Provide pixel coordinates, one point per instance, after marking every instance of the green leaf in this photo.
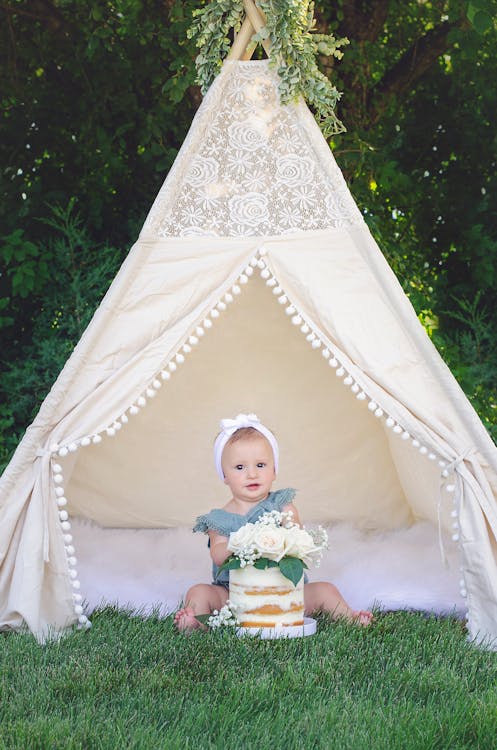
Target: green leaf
(264, 562)
(292, 568)
(482, 21)
(232, 563)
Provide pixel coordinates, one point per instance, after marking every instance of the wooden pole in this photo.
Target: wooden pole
(258, 21)
(242, 47)
(242, 41)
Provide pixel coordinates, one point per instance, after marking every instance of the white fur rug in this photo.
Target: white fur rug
(151, 569)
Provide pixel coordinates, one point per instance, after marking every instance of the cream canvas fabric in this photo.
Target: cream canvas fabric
(254, 286)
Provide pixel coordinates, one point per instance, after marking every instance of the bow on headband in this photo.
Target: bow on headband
(230, 426)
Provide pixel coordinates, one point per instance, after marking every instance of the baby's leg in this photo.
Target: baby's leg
(201, 599)
(325, 597)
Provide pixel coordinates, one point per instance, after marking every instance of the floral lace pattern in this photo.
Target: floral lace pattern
(250, 166)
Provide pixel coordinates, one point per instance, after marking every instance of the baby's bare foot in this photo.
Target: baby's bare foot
(185, 619)
(362, 617)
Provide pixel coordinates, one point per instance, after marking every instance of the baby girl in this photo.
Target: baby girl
(246, 457)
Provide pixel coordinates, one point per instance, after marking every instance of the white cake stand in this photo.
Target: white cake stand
(289, 631)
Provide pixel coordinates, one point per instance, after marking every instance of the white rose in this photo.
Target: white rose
(241, 539)
(299, 543)
(204, 169)
(249, 209)
(294, 170)
(270, 542)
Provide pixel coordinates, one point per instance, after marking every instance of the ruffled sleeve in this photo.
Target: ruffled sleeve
(280, 498)
(274, 501)
(215, 520)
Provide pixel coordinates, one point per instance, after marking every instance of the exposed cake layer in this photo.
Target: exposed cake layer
(265, 598)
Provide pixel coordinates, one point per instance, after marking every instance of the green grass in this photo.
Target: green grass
(408, 681)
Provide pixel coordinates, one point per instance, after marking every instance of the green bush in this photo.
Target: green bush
(69, 281)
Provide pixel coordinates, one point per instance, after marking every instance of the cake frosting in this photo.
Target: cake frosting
(265, 598)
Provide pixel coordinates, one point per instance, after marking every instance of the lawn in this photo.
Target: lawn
(408, 681)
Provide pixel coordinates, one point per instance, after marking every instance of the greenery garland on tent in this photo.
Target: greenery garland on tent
(295, 47)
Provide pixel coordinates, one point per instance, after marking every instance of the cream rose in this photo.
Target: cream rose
(270, 542)
(241, 539)
(299, 543)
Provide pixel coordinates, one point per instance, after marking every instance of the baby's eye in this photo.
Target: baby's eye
(261, 465)
(239, 467)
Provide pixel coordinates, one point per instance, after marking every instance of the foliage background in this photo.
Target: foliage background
(98, 95)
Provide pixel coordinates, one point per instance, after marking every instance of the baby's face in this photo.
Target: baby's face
(248, 466)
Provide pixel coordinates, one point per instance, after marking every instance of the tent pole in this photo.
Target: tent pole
(240, 47)
(258, 21)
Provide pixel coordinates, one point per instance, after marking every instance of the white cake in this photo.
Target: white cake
(265, 598)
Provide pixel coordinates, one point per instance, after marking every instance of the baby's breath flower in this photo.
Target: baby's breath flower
(226, 617)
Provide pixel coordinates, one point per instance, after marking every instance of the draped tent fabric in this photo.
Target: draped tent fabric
(254, 229)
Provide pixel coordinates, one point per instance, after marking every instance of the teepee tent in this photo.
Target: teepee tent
(254, 286)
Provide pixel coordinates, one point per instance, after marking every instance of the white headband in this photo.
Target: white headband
(230, 426)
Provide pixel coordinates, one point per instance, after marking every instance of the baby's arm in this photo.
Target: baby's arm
(290, 508)
(219, 547)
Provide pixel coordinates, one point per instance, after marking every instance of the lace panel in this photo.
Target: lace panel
(250, 166)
